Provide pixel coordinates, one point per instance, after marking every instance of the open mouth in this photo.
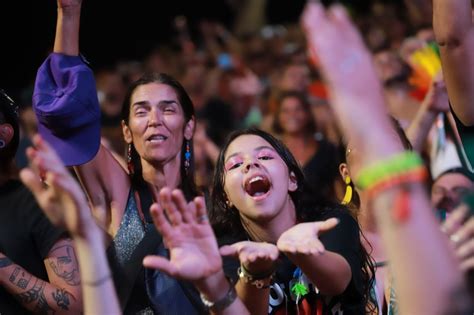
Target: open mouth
(257, 186)
(157, 138)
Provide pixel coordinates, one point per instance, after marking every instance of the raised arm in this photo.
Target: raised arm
(452, 21)
(67, 27)
(435, 102)
(76, 136)
(416, 248)
(65, 205)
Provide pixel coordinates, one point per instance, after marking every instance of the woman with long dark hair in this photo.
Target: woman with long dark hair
(261, 207)
(158, 126)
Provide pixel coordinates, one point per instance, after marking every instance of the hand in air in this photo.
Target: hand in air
(185, 228)
(59, 195)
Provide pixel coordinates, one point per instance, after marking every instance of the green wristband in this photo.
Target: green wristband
(382, 170)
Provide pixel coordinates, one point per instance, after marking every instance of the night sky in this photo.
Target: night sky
(110, 30)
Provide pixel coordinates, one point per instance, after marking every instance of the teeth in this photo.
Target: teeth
(157, 138)
(256, 178)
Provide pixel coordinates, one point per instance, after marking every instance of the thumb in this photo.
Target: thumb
(229, 250)
(160, 263)
(327, 225)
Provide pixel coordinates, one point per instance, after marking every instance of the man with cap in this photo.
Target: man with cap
(38, 267)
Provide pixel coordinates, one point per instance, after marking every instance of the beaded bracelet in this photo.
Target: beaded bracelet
(386, 169)
(255, 280)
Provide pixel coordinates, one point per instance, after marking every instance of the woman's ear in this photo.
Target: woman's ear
(344, 171)
(127, 134)
(292, 182)
(189, 128)
(6, 133)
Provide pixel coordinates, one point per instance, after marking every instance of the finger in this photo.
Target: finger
(467, 264)
(455, 219)
(465, 232)
(160, 220)
(229, 250)
(466, 249)
(160, 263)
(191, 212)
(251, 257)
(286, 247)
(201, 210)
(327, 224)
(178, 198)
(338, 14)
(51, 161)
(169, 206)
(32, 181)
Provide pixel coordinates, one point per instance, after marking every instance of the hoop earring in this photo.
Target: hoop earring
(348, 195)
(187, 157)
(2, 143)
(129, 160)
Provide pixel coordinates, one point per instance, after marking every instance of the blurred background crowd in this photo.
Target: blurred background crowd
(244, 63)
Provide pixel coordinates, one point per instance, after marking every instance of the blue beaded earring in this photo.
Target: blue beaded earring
(187, 157)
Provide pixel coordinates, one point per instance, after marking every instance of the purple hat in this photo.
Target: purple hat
(66, 105)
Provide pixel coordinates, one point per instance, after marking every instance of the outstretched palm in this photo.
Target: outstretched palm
(186, 232)
(303, 238)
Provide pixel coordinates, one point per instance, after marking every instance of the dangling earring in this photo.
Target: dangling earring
(187, 157)
(2, 143)
(348, 195)
(129, 159)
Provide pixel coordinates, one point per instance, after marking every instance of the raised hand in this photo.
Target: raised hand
(60, 196)
(194, 254)
(303, 238)
(354, 88)
(256, 257)
(459, 226)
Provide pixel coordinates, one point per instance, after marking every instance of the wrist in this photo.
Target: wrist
(213, 287)
(70, 11)
(261, 280)
(219, 295)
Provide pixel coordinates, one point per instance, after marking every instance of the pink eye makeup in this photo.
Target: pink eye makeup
(233, 162)
(266, 154)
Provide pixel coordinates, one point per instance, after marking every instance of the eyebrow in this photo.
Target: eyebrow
(256, 149)
(147, 103)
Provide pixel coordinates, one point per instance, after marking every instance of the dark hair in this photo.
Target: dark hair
(228, 220)
(9, 114)
(187, 177)
(310, 127)
(308, 204)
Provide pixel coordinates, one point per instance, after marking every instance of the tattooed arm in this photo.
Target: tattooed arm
(62, 294)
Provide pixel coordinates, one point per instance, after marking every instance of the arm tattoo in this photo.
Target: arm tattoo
(65, 266)
(24, 279)
(36, 293)
(5, 262)
(61, 297)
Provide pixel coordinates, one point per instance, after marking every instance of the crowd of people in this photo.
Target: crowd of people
(319, 168)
